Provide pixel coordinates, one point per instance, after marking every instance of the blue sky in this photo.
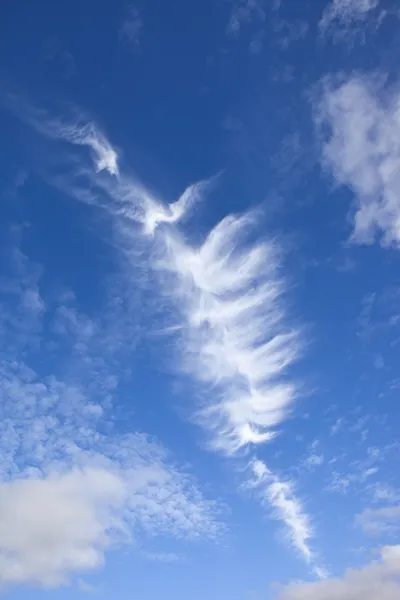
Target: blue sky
(199, 289)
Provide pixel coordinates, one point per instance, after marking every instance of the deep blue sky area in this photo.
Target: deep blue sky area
(199, 299)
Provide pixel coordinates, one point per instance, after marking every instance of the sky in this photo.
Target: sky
(199, 300)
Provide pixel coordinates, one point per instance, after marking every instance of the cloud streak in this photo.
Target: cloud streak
(287, 508)
(75, 129)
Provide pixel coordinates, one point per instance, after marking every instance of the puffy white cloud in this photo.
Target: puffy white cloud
(59, 525)
(376, 580)
(54, 527)
(57, 471)
(359, 124)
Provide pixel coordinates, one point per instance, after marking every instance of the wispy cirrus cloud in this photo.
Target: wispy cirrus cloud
(378, 579)
(229, 322)
(287, 508)
(359, 127)
(234, 341)
(233, 335)
(75, 128)
(341, 16)
(226, 295)
(105, 157)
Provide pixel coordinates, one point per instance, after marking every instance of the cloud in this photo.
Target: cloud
(380, 521)
(376, 580)
(227, 299)
(71, 486)
(52, 447)
(104, 155)
(340, 15)
(156, 213)
(359, 124)
(164, 557)
(75, 129)
(313, 460)
(244, 12)
(280, 495)
(64, 527)
(131, 29)
(60, 525)
(228, 295)
(226, 310)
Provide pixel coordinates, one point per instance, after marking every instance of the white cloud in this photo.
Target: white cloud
(156, 213)
(164, 557)
(362, 150)
(341, 14)
(68, 490)
(50, 528)
(288, 509)
(244, 12)
(376, 580)
(131, 29)
(314, 460)
(60, 525)
(227, 293)
(51, 444)
(379, 521)
(228, 299)
(229, 296)
(105, 157)
(75, 129)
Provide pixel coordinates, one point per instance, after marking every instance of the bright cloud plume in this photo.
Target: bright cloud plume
(234, 341)
(359, 124)
(229, 293)
(377, 580)
(287, 508)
